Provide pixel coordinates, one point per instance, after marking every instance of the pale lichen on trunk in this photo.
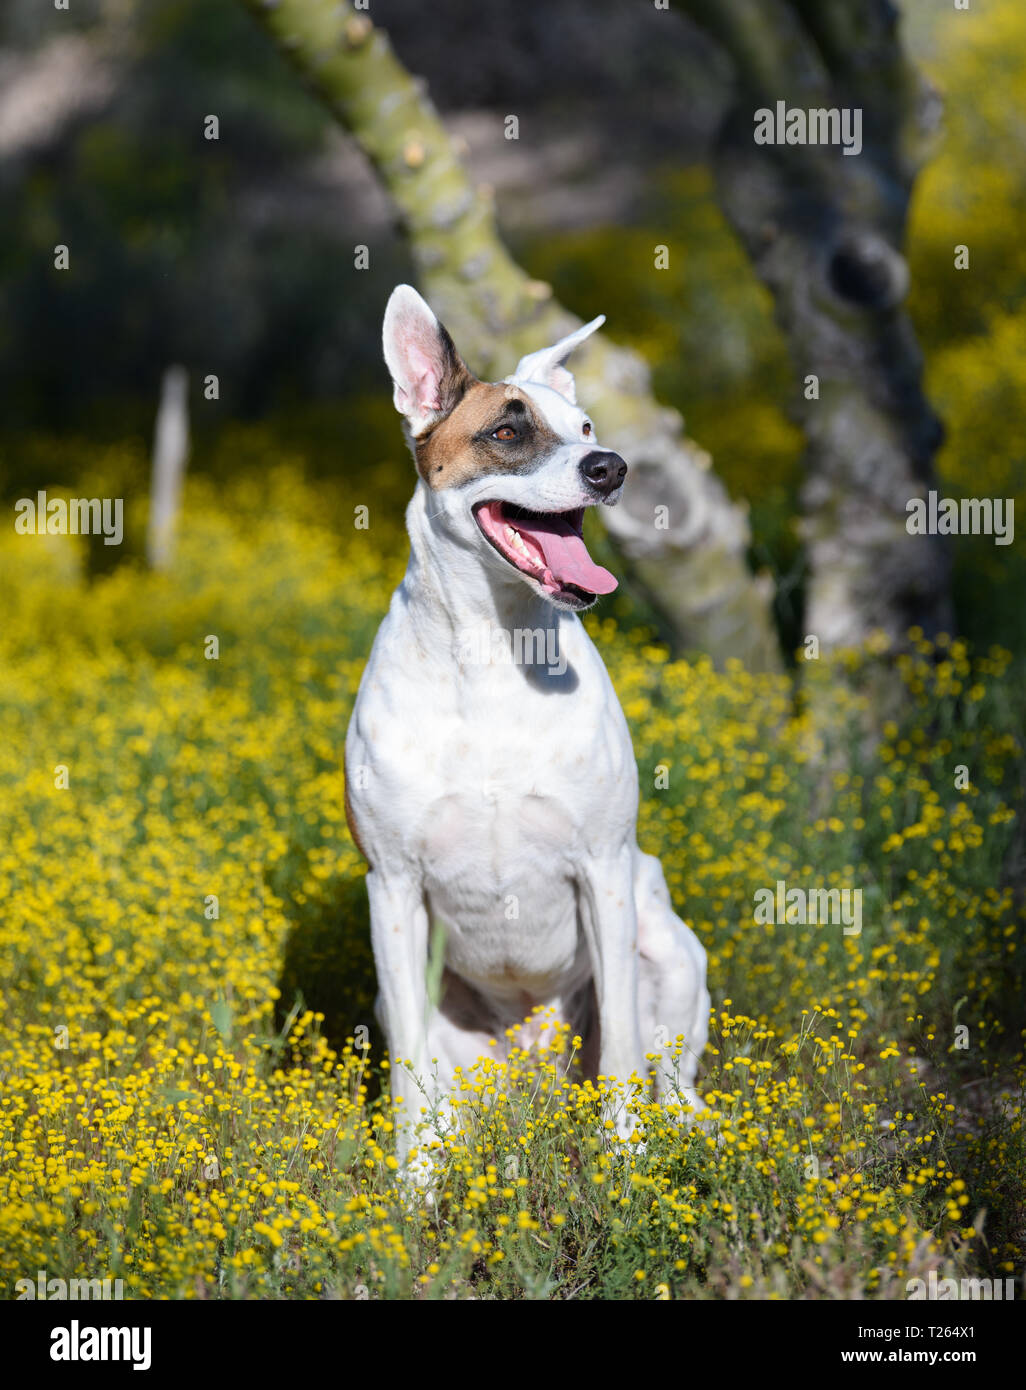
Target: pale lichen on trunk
(691, 557)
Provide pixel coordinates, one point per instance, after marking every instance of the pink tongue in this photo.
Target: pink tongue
(566, 554)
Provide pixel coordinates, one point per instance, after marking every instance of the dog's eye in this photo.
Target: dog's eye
(505, 433)
(586, 428)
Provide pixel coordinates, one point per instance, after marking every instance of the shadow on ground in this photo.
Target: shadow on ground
(328, 965)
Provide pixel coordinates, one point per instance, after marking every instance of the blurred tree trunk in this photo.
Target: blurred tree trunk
(170, 457)
(824, 231)
(694, 570)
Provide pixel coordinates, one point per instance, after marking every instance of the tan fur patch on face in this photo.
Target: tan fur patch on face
(461, 447)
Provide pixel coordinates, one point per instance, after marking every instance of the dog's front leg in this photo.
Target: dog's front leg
(399, 935)
(609, 919)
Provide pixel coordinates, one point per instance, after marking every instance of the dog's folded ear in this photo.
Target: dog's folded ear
(546, 366)
(428, 374)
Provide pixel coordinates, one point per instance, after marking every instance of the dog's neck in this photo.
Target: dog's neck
(449, 593)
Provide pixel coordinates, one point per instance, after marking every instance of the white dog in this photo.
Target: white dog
(490, 779)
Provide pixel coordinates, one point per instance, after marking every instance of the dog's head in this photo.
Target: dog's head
(510, 465)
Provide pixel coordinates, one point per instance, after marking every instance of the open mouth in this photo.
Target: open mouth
(548, 547)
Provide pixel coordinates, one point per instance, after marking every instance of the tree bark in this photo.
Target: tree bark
(691, 559)
(824, 231)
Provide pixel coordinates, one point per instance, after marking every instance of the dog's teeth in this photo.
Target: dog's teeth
(516, 540)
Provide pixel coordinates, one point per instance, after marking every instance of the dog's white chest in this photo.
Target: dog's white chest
(492, 783)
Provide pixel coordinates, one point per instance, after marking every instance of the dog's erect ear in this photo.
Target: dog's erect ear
(546, 367)
(428, 373)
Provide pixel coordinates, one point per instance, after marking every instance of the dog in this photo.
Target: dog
(490, 779)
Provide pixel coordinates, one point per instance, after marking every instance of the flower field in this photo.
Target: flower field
(187, 1104)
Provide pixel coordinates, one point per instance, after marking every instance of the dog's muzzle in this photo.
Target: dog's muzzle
(603, 471)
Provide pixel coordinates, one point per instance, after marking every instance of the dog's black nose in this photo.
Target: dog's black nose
(605, 471)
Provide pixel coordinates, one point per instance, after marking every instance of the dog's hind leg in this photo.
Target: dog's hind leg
(607, 895)
(672, 994)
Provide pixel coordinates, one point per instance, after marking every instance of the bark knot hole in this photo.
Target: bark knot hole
(864, 270)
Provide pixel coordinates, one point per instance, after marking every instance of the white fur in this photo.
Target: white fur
(480, 789)
(546, 367)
